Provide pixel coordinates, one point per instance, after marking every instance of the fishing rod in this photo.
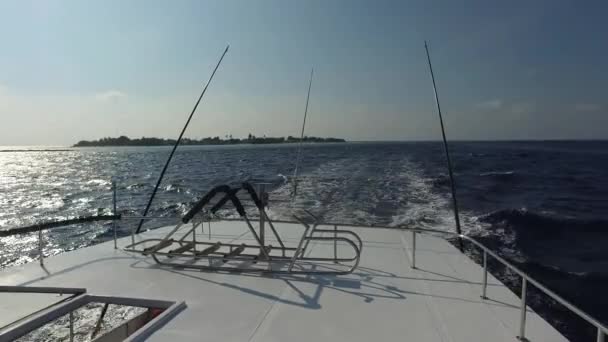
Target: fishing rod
(162, 173)
(447, 152)
(299, 157)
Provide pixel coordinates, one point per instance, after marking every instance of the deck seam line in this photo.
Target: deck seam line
(507, 332)
(441, 331)
(274, 303)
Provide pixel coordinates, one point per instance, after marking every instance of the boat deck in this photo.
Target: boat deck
(383, 299)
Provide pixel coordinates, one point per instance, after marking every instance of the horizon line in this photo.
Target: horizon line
(358, 141)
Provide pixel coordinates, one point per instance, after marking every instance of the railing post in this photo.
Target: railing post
(261, 194)
(522, 322)
(335, 244)
(114, 210)
(485, 275)
(194, 237)
(600, 335)
(71, 326)
(40, 246)
(413, 249)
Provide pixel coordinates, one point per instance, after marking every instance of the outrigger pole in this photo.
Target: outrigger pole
(162, 173)
(447, 152)
(299, 157)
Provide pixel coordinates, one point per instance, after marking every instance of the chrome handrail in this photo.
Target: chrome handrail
(602, 329)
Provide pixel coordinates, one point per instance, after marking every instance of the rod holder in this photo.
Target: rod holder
(600, 335)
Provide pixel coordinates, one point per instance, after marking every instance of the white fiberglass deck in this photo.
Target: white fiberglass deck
(383, 300)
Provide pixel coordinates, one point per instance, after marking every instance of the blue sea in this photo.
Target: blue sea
(541, 205)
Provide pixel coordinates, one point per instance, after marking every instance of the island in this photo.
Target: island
(228, 140)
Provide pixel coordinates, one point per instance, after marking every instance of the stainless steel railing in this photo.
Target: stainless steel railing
(602, 330)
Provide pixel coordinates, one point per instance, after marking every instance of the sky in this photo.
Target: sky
(74, 70)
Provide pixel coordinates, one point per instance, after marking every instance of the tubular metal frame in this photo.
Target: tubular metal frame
(216, 250)
(162, 253)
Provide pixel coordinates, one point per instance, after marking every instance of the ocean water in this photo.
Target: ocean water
(541, 205)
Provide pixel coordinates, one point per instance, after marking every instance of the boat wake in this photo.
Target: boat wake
(363, 191)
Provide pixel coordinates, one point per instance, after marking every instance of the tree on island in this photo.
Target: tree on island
(251, 139)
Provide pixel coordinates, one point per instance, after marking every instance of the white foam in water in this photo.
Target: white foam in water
(85, 319)
(427, 208)
(355, 190)
(99, 182)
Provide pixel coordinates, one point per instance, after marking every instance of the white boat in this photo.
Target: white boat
(406, 284)
(257, 279)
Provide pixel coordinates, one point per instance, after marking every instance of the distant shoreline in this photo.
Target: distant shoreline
(251, 139)
(55, 148)
(37, 150)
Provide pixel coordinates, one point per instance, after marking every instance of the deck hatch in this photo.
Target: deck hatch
(95, 318)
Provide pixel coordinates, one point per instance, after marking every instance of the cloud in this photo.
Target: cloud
(522, 108)
(490, 105)
(61, 118)
(506, 107)
(587, 107)
(110, 95)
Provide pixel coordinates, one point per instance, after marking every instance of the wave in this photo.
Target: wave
(175, 188)
(137, 186)
(498, 178)
(99, 182)
(569, 245)
(440, 181)
(477, 155)
(283, 178)
(522, 219)
(497, 173)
